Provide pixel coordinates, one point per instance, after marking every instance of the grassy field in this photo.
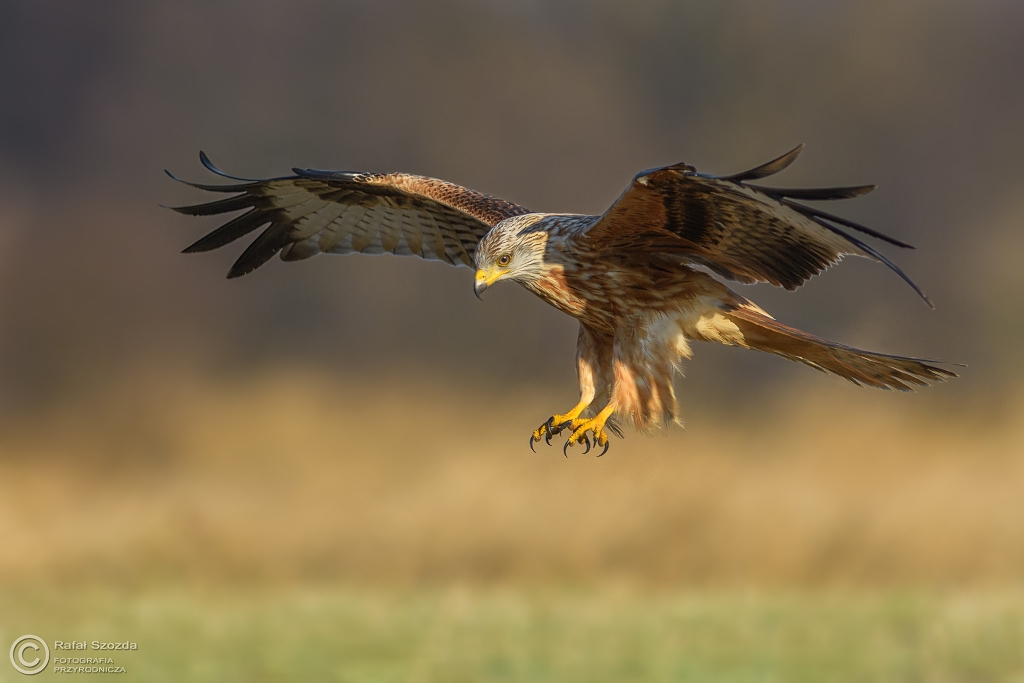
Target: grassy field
(286, 528)
(495, 634)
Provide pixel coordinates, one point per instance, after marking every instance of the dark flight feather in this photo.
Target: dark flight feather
(815, 194)
(745, 232)
(765, 170)
(344, 211)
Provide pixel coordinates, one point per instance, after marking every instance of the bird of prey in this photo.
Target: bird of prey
(638, 278)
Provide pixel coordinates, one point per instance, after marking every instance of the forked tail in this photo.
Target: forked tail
(880, 370)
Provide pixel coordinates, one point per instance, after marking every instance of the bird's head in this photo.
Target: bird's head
(512, 250)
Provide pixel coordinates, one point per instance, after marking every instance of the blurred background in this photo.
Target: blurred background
(341, 441)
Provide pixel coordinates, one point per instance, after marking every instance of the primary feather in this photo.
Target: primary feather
(341, 212)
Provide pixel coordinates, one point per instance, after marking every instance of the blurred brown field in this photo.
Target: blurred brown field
(288, 476)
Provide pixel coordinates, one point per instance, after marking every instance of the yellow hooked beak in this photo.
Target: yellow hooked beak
(485, 277)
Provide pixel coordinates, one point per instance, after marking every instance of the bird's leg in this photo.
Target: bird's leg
(595, 426)
(556, 423)
(588, 362)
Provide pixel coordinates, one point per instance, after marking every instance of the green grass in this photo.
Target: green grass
(476, 634)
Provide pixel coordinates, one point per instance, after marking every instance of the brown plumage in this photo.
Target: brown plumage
(339, 212)
(630, 276)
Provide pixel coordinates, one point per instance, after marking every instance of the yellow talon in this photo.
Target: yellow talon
(571, 416)
(600, 437)
(556, 423)
(578, 426)
(594, 425)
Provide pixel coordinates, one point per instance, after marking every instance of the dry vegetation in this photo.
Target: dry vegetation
(289, 477)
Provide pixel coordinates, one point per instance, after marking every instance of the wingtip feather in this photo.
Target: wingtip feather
(877, 255)
(205, 161)
(771, 168)
(213, 188)
(817, 214)
(815, 193)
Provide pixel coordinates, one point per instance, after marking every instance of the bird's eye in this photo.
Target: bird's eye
(504, 260)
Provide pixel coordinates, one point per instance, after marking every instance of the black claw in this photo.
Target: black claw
(606, 445)
(586, 440)
(565, 448)
(531, 444)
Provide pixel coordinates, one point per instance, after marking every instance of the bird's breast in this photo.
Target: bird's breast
(554, 288)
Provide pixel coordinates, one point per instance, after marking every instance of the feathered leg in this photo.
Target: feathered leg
(646, 353)
(639, 367)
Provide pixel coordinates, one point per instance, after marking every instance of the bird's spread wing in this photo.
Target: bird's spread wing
(744, 232)
(340, 212)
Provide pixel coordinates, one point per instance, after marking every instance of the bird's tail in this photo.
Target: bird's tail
(760, 331)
